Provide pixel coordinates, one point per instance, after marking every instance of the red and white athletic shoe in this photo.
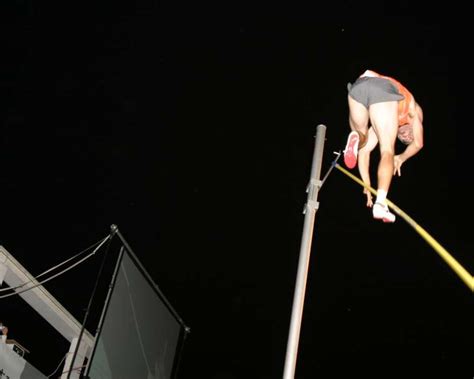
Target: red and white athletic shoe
(381, 212)
(352, 147)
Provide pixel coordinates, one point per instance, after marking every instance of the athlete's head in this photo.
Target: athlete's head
(405, 134)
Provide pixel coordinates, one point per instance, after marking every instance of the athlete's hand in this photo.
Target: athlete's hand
(397, 165)
(369, 198)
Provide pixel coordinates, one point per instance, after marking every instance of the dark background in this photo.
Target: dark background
(191, 126)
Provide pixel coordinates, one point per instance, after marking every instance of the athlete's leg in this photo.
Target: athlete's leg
(384, 119)
(359, 124)
(358, 119)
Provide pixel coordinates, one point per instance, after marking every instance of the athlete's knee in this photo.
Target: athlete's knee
(387, 153)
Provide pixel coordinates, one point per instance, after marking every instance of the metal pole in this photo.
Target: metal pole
(305, 251)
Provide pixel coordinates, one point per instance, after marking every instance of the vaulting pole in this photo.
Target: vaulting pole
(465, 276)
(305, 251)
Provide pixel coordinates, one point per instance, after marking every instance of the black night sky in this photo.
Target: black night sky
(192, 126)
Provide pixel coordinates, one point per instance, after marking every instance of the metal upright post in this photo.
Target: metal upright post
(310, 212)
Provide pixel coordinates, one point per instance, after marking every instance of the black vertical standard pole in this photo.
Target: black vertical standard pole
(305, 251)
